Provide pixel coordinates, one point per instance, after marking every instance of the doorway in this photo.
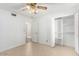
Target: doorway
(28, 32)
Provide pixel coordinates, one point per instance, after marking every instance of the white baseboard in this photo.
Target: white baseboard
(8, 48)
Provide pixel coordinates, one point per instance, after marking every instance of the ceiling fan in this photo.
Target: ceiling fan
(32, 7)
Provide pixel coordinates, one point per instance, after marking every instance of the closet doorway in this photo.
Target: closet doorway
(65, 34)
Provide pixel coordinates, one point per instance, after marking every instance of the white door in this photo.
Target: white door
(35, 31)
(41, 31)
(44, 31)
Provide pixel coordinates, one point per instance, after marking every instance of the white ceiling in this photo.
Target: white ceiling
(11, 6)
(53, 8)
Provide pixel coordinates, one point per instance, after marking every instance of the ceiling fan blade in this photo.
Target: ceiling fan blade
(27, 3)
(31, 4)
(42, 7)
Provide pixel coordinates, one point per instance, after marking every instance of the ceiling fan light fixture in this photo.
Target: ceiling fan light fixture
(32, 8)
(33, 11)
(28, 7)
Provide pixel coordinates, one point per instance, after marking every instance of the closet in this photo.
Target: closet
(65, 34)
(59, 31)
